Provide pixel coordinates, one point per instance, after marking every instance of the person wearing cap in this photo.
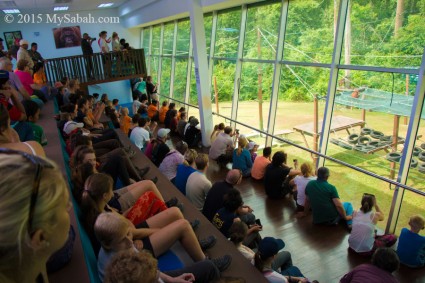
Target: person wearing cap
(268, 261)
(159, 147)
(193, 134)
(24, 55)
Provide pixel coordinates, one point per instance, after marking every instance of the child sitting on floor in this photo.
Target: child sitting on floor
(125, 120)
(411, 245)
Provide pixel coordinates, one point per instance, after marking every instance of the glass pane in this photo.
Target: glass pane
(412, 205)
(183, 37)
(351, 185)
(167, 46)
(255, 92)
(366, 121)
(227, 35)
(208, 29)
(154, 68)
(295, 110)
(193, 96)
(310, 31)
(376, 36)
(223, 75)
(146, 38)
(262, 31)
(416, 178)
(180, 74)
(165, 76)
(156, 38)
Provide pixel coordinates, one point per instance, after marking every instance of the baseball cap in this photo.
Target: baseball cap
(4, 74)
(71, 126)
(270, 246)
(162, 133)
(23, 41)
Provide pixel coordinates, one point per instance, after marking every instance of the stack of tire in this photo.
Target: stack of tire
(421, 156)
(396, 156)
(368, 140)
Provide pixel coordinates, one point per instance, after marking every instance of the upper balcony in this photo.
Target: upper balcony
(98, 68)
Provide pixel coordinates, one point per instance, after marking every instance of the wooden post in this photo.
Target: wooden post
(216, 95)
(363, 115)
(407, 94)
(260, 81)
(394, 144)
(315, 127)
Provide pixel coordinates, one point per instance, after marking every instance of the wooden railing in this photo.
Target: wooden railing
(98, 67)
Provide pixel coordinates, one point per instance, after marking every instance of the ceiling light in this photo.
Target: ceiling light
(104, 5)
(11, 11)
(61, 8)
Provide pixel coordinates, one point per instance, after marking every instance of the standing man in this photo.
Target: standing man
(88, 53)
(23, 54)
(35, 55)
(106, 57)
(325, 203)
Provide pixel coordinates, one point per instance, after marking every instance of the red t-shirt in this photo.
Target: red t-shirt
(14, 113)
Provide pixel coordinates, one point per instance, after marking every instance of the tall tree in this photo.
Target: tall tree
(399, 16)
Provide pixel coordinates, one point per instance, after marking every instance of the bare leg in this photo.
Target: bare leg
(139, 188)
(165, 218)
(179, 230)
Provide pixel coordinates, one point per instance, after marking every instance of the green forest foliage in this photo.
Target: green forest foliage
(309, 37)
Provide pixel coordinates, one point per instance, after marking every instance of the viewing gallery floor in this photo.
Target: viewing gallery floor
(320, 252)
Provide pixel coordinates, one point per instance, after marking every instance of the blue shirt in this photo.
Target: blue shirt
(411, 248)
(223, 220)
(183, 173)
(243, 161)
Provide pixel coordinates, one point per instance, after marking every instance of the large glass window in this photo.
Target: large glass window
(377, 35)
(183, 37)
(261, 32)
(208, 30)
(227, 35)
(156, 39)
(167, 46)
(146, 40)
(223, 76)
(180, 73)
(165, 76)
(310, 31)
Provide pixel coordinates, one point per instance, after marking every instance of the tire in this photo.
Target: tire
(423, 145)
(385, 138)
(421, 168)
(413, 163)
(358, 147)
(421, 156)
(376, 134)
(353, 138)
(367, 148)
(416, 151)
(366, 131)
(334, 141)
(373, 144)
(364, 140)
(346, 146)
(394, 156)
(383, 143)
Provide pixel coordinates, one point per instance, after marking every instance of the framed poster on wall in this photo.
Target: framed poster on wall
(11, 36)
(67, 36)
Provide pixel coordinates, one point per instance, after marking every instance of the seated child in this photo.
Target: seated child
(125, 120)
(411, 245)
(33, 112)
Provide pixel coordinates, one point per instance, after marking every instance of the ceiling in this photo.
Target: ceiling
(46, 6)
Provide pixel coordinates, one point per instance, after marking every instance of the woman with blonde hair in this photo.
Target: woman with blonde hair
(34, 216)
(300, 182)
(242, 158)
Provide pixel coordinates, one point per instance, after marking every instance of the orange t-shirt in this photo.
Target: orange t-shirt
(152, 110)
(162, 113)
(40, 78)
(259, 167)
(125, 124)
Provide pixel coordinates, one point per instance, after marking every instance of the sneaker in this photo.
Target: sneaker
(223, 262)
(208, 242)
(172, 202)
(195, 224)
(142, 171)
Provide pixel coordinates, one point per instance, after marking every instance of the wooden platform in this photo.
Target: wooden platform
(338, 123)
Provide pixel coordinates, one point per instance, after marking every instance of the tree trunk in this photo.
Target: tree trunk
(399, 16)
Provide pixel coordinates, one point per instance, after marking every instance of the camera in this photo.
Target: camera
(92, 38)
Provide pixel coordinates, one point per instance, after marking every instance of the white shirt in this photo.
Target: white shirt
(301, 183)
(220, 145)
(197, 188)
(23, 54)
(136, 105)
(139, 136)
(362, 235)
(102, 43)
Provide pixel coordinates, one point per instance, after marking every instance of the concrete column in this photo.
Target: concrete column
(203, 84)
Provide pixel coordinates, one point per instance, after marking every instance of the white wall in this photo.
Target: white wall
(45, 41)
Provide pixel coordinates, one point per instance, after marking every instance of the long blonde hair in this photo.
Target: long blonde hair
(241, 145)
(16, 188)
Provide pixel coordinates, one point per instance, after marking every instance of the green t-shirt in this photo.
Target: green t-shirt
(320, 194)
(39, 135)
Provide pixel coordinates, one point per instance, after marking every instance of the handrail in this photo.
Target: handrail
(371, 174)
(98, 66)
